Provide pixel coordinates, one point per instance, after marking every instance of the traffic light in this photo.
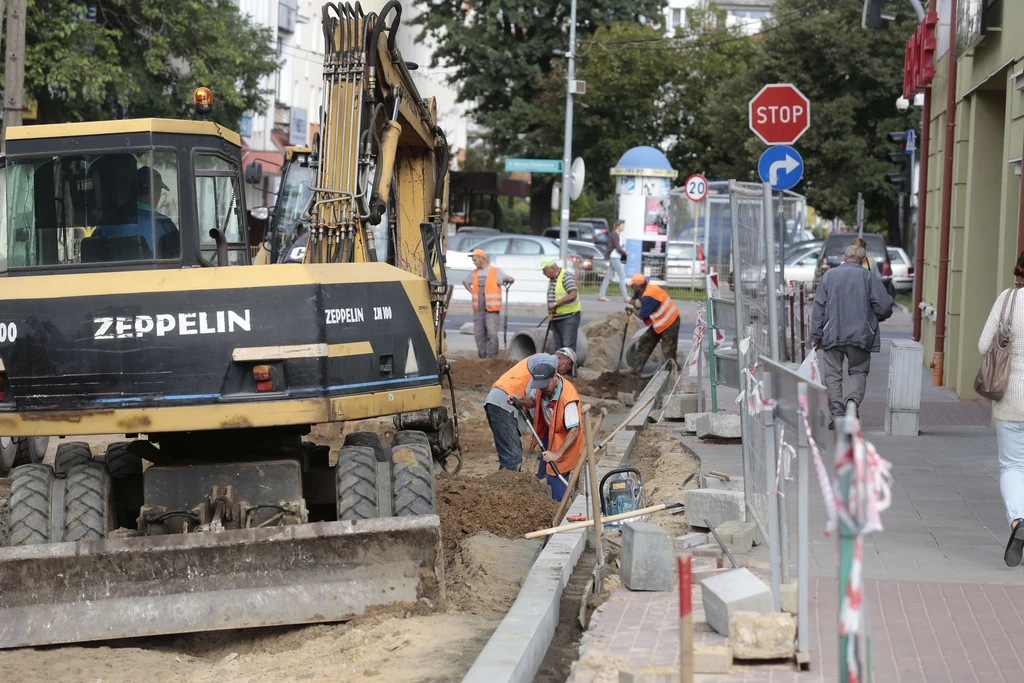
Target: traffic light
(904, 160)
(875, 14)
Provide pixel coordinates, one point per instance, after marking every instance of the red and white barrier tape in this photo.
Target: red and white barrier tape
(698, 339)
(783, 462)
(754, 393)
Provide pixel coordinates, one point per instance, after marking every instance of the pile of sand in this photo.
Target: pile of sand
(505, 503)
(664, 464)
(605, 338)
(609, 384)
(487, 571)
(478, 374)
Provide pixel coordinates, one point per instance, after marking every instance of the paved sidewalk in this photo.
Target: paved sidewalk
(943, 605)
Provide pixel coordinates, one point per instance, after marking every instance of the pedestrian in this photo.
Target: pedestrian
(654, 306)
(507, 426)
(564, 307)
(848, 305)
(557, 419)
(614, 253)
(485, 284)
(1008, 412)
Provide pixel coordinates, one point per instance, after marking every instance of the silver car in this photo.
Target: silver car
(679, 262)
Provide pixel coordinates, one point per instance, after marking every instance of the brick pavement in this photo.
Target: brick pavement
(928, 632)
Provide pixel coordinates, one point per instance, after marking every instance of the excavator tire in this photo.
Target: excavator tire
(120, 461)
(70, 454)
(8, 449)
(88, 503)
(368, 440)
(31, 449)
(356, 482)
(412, 478)
(31, 493)
(405, 436)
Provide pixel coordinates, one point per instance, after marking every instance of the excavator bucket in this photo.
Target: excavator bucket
(145, 586)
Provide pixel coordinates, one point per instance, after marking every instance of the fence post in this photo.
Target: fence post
(770, 284)
(741, 328)
(802, 575)
(847, 549)
(771, 452)
(712, 370)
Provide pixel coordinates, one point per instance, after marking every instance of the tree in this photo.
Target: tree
(503, 52)
(144, 58)
(851, 76)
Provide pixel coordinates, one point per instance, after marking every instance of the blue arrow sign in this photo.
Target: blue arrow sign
(781, 166)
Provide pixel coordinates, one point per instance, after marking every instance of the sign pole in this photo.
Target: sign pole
(563, 233)
(693, 266)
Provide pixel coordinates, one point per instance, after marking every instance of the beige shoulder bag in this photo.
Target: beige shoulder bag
(994, 373)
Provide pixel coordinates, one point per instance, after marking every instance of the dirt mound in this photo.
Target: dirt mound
(505, 503)
(605, 338)
(664, 464)
(609, 384)
(487, 572)
(478, 374)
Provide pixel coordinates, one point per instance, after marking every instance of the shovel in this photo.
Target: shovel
(622, 348)
(526, 417)
(507, 287)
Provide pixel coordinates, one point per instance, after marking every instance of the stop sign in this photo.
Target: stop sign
(780, 114)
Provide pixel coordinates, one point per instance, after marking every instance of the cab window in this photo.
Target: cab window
(103, 208)
(218, 206)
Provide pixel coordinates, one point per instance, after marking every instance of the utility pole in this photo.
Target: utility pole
(563, 233)
(860, 214)
(14, 66)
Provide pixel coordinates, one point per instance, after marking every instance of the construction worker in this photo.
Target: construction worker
(654, 306)
(564, 307)
(485, 284)
(506, 424)
(557, 420)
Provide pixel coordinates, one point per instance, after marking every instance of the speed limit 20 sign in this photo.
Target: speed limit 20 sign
(696, 187)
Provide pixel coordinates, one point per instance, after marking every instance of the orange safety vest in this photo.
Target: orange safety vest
(557, 432)
(492, 290)
(665, 314)
(515, 381)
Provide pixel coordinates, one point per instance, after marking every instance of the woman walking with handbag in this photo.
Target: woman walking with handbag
(1001, 378)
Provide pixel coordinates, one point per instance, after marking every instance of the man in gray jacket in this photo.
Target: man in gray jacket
(848, 305)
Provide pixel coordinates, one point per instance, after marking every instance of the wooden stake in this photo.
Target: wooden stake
(550, 531)
(595, 495)
(685, 619)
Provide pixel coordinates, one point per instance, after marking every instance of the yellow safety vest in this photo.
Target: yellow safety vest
(560, 293)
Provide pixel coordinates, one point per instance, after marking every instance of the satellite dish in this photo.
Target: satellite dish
(576, 173)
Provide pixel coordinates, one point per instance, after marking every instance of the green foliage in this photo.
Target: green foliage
(503, 53)
(144, 58)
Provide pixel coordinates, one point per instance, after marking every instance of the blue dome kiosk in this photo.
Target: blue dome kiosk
(642, 186)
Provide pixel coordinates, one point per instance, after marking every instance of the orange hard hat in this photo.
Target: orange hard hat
(478, 252)
(638, 279)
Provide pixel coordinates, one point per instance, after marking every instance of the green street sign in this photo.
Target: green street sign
(533, 165)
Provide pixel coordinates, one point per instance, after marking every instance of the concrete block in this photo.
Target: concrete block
(701, 563)
(710, 550)
(712, 660)
(467, 328)
(733, 484)
(649, 674)
(788, 598)
(679, 405)
(718, 426)
(690, 422)
(902, 422)
(708, 506)
(627, 398)
(734, 591)
(739, 536)
(690, 540)
(762, 636)
(646, 560)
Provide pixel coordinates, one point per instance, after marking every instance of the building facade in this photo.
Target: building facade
(986, 196)
(747, 15)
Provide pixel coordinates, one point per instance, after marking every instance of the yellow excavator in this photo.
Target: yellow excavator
(133, 305)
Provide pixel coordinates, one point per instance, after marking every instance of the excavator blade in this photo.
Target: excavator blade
(145, 586)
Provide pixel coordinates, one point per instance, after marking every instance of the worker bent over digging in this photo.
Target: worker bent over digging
(505, 422)
(557, 417)
(484, 284)
(654, 306)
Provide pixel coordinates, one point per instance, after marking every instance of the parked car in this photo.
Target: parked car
(679, 262)
(801, 264)
(583, 232)
(902, 270)
(466, 239)
(600, 229)
(835, 244)
(589, 259)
